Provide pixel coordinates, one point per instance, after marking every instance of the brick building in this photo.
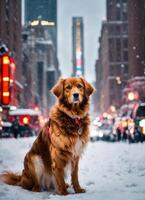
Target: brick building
(136, 31)
(10, 35)
(113, 54)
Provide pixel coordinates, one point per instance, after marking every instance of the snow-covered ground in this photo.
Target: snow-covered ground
(112, 171)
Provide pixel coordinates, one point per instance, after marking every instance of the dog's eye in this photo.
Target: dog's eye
(68, 87)
(80, 86)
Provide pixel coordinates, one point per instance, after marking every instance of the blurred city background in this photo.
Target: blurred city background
(41, 41)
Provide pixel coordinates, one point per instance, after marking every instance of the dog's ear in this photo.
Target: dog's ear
(89, 89)
(57, 90)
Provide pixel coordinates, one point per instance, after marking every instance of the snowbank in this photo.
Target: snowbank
(112, 171)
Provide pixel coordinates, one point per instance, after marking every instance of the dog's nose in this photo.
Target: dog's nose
(76, 95)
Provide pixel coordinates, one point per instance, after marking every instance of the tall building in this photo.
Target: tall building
(136, 32)
(117, 18)
(45, 10)
(113, 63)
(102, 71)
(10, 35)
(78, 46)
(40, 66)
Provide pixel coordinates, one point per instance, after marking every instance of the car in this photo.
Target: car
(29, 123)
(6, 129)
(138, 116)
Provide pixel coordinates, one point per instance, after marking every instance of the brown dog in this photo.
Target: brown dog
(60, 143)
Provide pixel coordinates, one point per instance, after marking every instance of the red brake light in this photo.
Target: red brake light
(25, 120)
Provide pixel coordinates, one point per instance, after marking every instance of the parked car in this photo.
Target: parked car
(28, 119)
(138, 116)
(20, 123)
(6, 129)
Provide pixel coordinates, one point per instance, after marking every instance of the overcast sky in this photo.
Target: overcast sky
(93, 12)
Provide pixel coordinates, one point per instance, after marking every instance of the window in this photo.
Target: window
(124, 28)
(125, 55)
(111, 84)
(111, 30)
(118, 13)
(111, 47)
(111, 70)
(125, 69)
(50, 79)
(118, 30)
(118, 50)
(124, 16)
(125, 43)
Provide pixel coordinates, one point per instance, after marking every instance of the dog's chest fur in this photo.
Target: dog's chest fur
(78, 148)
(69, 124)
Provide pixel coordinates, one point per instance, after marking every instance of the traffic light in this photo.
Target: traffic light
(5, 79)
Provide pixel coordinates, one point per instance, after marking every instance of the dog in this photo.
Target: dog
(60, 143)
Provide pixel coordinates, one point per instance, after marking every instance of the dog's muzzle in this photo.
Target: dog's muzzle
(76, 97)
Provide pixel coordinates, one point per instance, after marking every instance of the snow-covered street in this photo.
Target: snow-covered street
(112, 171)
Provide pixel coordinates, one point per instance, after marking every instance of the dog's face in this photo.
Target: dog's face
(73, 90)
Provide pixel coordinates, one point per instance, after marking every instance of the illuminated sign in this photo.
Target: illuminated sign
(5, 80)
(78, 50)
(42, 22)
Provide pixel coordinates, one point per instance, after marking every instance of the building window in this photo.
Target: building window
(125, 69)
(111, 48)
(114, 70)
(111, 56)
(124, 16)
(111, 30)
(50, 79)
(124, 7)
(118, 30)
(111, 84)
(125, 43)
(112, 99)
(118, 50)
(118, 12)
(125, 55)
(124, 28)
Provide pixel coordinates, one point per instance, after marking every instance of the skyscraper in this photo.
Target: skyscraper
(44, 10)
(136, 37)
(113, 55)
(117, 18)
(10, 30)
(10, 35)
(40, 66)
(78, 46)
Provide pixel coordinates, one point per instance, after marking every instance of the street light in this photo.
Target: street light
(131, 96)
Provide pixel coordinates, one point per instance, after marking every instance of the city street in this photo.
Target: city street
(112, 171)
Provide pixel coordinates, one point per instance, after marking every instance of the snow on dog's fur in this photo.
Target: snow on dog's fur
(60, 143)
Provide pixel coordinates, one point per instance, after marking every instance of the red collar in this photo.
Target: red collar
(79, 124)
(78, 121)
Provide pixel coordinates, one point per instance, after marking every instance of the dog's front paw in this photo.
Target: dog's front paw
(80, 190)
(63, 193)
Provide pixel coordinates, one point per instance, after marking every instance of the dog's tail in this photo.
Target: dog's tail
(10, 178)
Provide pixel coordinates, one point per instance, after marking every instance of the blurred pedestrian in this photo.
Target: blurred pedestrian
(15, 127)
